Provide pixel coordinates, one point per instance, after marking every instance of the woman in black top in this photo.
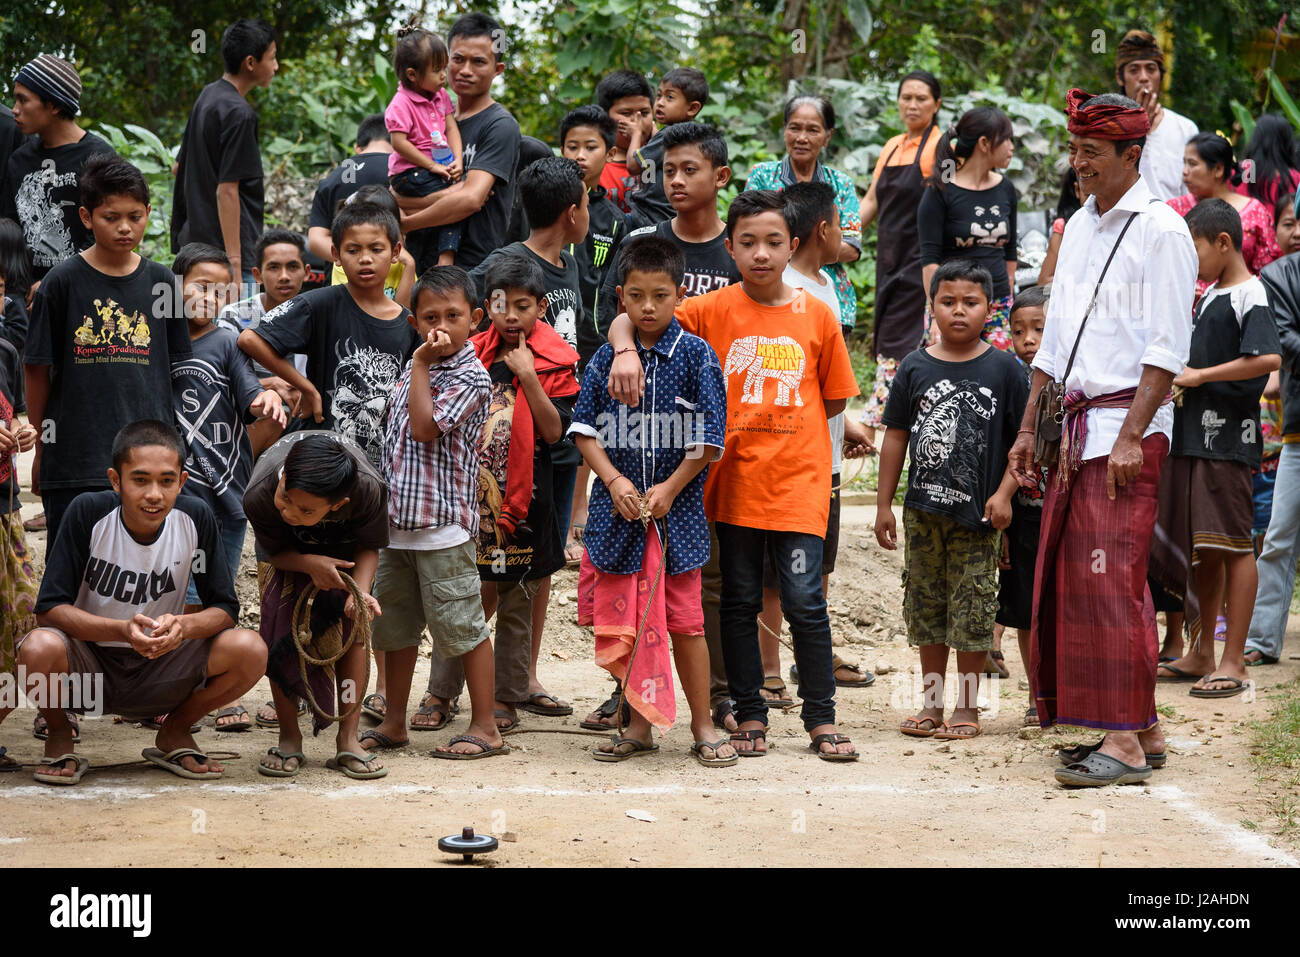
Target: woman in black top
(969, 210)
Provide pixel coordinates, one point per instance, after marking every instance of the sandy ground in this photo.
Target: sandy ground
(909, 801)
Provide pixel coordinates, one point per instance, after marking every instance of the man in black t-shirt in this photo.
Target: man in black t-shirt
(218, 196)
(40, 190)
(368, 166)
(477, 44)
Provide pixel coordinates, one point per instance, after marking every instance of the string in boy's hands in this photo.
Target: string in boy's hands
(657, 501)
(372, 605)
(626, 498)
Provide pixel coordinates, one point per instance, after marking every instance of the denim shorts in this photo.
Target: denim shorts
(434, 588)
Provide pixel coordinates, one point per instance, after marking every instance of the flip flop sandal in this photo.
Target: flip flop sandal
(385, 742)
(370, 711)
(171, 761)
(46, 778)
(445, 714)
(920, 732)
(758, 734)
(1238, 686)
(945, 732)
(336, 764)
(608, 710)
(487, 752)
(714, 762)
(1265, 660)
(243, 725)
(994, 664)
(1164, 658)
(512, 727)
(575, 542)
(774, 685)
(281, 771)
(557, 710)
(275, 722)
(41, 733)
(7, 763)
(1074, 755)
(638, 748)
(1178, 674)
(832, 739)
(866, 681)
(1031, 717)
(725, 709)
(1098, 770)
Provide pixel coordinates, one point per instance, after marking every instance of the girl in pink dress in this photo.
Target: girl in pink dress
(1210, 172)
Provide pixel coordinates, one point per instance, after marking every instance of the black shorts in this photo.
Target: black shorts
(830, 546)
(1016, 584)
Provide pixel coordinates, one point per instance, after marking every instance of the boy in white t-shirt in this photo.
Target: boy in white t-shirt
(815, 230)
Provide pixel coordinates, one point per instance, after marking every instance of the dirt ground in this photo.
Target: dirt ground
(908, 801)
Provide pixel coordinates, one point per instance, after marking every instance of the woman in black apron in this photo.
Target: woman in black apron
(893, 198)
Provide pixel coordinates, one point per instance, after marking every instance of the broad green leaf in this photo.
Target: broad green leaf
(1244, 120)
(1284, 99)
(859, 15)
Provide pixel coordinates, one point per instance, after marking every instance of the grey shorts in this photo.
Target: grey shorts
(438, 589)
(132, 685)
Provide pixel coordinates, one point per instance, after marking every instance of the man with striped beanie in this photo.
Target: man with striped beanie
(40, 180)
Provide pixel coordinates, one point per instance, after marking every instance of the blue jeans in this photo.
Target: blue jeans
(797, 558)
(1276, 563)
(232, 547)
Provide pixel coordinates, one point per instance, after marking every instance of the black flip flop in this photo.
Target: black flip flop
(832, 739)
(773, 684)
(607, 710)
(370, 711)
(724, 710)
(1178, 674)
(265, 723)
(41, 733)
(1238, 686)
(558, 710)
(447, 712)
(756, 734)
(245, 725)
(512, 727)
(638, 748)
(385, 742)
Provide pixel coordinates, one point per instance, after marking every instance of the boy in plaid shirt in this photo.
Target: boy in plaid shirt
(428, 573)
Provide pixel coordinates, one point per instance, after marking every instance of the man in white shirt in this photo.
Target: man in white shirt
(1140, 70)
(1094, 631)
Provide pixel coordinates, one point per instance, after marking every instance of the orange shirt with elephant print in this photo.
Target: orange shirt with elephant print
(780, 363)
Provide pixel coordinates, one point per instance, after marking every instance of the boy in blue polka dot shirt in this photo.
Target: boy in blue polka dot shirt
(646, 531)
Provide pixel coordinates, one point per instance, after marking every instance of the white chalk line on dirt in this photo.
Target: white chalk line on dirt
(1241, 840)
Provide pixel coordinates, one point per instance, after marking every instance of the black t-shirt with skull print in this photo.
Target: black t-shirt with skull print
(962, 418)
(353, 359)
(978, 224)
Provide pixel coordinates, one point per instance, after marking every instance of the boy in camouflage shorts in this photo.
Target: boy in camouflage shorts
(954, 407)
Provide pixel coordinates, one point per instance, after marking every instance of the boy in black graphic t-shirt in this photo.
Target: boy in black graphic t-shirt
(955, 407)
(695, 170)
(106, 329)
(111, 611)
(1206, 491)
(41, 177)
(356, 339)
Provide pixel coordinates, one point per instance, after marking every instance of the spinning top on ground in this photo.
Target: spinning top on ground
(467, 843)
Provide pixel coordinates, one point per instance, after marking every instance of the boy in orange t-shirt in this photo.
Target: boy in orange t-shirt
(771, 489)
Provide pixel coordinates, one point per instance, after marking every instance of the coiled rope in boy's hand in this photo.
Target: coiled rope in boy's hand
(328, 647)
